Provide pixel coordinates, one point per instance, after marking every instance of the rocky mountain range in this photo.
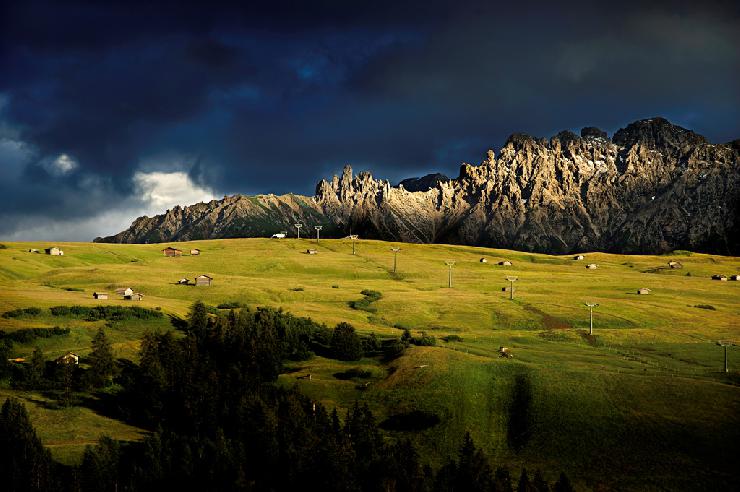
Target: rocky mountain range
(652, 188)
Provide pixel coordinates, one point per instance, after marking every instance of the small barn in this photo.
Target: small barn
(170, 251)
(675, 265)
(127, 291)
(592, 266)
(735, 277)
(69, 358)
(721, 278)
(483, 260)
(643, 291)
(578, 257)
(203, 280)
(310, 251)
(194, 252)
(136, 296)
(279, 235)
(100, 295)
(33, 250)
(54, 251)
(504, 263)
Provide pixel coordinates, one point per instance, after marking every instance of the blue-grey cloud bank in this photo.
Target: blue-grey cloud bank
(112, 110)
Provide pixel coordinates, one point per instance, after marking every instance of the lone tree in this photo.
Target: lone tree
(36, 369)
(345, 344)
(198, 320)
(102, 362)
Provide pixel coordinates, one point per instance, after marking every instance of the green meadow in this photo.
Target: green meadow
(642, 403)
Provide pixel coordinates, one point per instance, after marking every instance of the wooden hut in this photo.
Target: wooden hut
(136, 296)
(592, 266)
(504, 263)
(194, 252)
(643, 291)
(675, 264)
(170, 251)
(125, 292)
(203, 280)
(735, 277)
(721, 278)
(54, 251)
(483, 260)
(69, 358)
(578, 257)
(311, 251)
(100, 295)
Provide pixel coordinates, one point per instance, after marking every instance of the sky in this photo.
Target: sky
(112, 110)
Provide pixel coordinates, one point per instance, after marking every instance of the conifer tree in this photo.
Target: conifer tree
(539, 483)
(345, 344)
(563, 484)
(524, 484)
(24, 462)
(102, 362)
(198, 320)
(36, 369)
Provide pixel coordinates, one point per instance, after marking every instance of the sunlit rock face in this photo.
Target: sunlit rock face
(652, 188)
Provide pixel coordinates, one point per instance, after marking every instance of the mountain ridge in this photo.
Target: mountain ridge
(651, 188)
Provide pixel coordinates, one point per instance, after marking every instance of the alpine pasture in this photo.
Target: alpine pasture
(644, 399)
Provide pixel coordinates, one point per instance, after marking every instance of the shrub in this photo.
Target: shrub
(74, 289)
(109, 313)
(297, 289)
(28, 335)
(229, 305)
(370, 343)
(424, 340)
(365, 304)
(706, 306)
(17, 313)
(2, 246)
(354, 373)
(345, 344)
(393, 349)
(452, 338)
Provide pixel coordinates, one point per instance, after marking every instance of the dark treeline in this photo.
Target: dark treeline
(218, 421)
(94, 313)
(27, 335)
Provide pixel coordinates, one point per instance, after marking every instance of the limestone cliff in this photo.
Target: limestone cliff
(652, 188)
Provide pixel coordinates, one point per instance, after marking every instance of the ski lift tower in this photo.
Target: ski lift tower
(353, 237)
(450, 264)
(395, 254)
(591, 306)
(724, 345)
(511, 281)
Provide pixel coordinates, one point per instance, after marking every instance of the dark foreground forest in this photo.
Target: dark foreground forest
(218, 421)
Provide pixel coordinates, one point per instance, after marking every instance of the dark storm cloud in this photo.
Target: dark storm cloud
(271, 96)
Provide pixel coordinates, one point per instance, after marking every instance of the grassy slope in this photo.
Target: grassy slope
(643, 399)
